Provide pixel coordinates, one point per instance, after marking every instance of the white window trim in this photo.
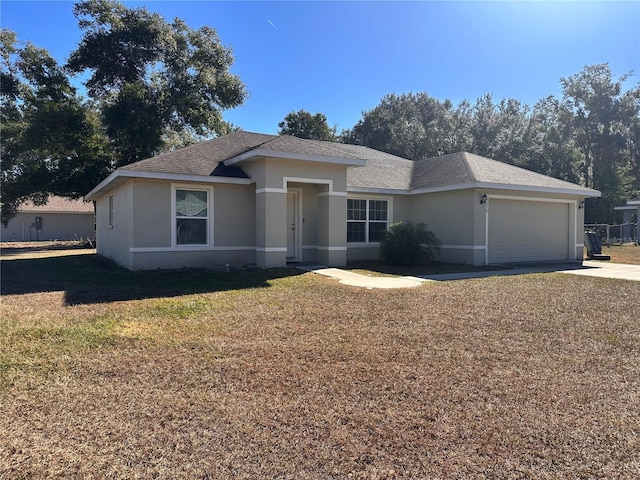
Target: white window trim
(199, 188)
(389, 201)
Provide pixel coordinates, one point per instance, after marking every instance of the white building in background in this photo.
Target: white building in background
(60, 219)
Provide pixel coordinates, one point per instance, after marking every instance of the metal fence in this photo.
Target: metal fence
(614, 234)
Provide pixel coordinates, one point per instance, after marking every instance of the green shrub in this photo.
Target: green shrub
(406, 244)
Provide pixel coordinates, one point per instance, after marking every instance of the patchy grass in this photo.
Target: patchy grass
(629, 254)
(192, 374)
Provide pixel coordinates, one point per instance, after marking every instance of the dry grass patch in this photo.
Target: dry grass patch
(300, 377)
(629, 254)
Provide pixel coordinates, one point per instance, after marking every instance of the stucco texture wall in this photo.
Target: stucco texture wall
(55, 226)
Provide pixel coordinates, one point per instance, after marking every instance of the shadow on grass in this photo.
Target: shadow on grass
(435, 268)
(88, 279)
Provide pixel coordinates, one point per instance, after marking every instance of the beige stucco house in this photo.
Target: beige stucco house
(265, 200)
(58, 219)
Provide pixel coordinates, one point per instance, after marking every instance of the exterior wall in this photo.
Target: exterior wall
(113, 241)
(232, 225)
(141, 235)
(55, 226)
(270, 172)
(271, 239)
(459, 220)
(451, 216)
(151, 203)
(332, 229)
(215, 259)
(235, 216)
(309, 221)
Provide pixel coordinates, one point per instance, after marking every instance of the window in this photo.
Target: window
(366, 219)
(111, 211)
(192, 217)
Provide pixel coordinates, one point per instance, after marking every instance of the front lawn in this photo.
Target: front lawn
(106, 373)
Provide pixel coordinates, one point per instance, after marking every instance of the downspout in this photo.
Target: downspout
(486, 232)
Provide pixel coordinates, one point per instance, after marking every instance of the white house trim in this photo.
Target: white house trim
(333, 249)
(464, 247)
(271, 249)
(190, 248)
(122, 175)
(584, 192)
(529, 199)
(332, 194)
(270, 190)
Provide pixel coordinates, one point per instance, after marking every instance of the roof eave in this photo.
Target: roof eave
(583, 192)
(120, 176)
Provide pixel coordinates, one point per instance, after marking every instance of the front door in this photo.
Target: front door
(293, 233)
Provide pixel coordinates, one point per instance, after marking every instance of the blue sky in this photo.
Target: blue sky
(341, 58)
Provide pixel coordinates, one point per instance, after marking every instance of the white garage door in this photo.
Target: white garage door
(526, 231)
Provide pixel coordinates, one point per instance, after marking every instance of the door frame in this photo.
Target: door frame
(297, 224)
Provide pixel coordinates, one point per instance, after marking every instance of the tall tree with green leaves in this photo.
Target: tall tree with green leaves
(410, 125)
(52, 142)
(152, 79)
(602, 118)
(302, 124)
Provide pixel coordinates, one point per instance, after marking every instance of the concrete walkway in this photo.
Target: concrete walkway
(588, 268)
(357, 280)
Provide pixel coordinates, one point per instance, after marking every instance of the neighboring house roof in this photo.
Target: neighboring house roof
(371, 170)
(630, 205)
(57, 205)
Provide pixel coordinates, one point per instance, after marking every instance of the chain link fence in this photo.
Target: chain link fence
(614, 234)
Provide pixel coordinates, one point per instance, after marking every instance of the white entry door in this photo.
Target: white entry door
(294, 246)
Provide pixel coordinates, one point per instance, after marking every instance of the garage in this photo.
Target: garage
(525, 230)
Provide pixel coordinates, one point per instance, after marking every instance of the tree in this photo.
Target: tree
(152, 79)
(603, 119)
(51, 141)
(302, 124)
(408, 125)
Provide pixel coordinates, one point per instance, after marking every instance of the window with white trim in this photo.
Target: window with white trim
(366, 220)
(192, 217)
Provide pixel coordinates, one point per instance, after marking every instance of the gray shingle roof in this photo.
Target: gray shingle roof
(463, 167)
(202, 158)
(382, 171)
(307, 147)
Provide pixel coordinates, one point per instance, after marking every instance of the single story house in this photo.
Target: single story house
(59, 219)
(255, 199)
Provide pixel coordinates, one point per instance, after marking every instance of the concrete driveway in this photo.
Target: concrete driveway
(588, 268)
(593, 268)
